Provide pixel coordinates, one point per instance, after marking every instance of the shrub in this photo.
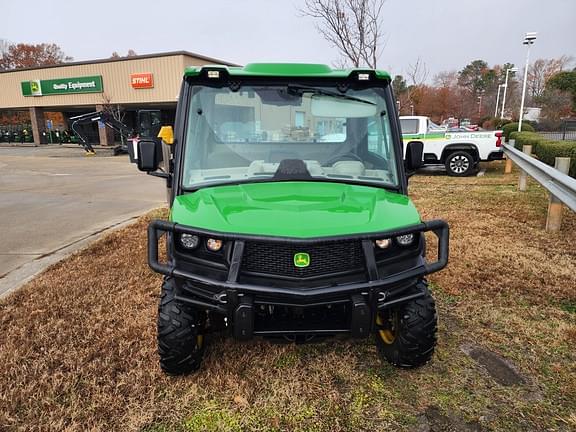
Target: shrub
(549, 150)
(485, 119)
(526, 138)
(546, 150)
(511, 127)
(501, 122)
(488, 124)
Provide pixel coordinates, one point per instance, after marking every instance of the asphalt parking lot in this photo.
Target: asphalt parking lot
(52, 198)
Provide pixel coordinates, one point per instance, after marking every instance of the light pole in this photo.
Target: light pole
(497, 100)
(398, 106)
(514, 69)
(528, 40)
(480, 93)
(411, 109)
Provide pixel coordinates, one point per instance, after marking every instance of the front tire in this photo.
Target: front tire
(180, 333)
(406, 335)
(459, 164)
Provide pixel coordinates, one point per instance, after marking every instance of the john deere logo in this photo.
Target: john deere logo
(301, 259)
(35, 88)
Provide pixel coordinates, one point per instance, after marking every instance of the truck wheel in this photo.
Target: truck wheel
(406, 335)
(459, 164)
(180, 333)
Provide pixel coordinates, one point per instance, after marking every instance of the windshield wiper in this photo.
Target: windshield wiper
(271, 179)
(296, 89)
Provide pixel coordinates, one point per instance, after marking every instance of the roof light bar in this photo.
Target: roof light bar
(213, 74)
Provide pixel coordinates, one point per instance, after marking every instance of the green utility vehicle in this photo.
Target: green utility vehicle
(289, 215)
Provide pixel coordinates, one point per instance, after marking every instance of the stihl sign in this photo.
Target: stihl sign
(142, 80)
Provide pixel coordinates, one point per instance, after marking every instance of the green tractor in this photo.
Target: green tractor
(289, 215)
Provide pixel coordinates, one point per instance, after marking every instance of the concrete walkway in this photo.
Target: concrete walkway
(54, 200)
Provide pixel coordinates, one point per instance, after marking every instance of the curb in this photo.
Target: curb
(7, 145)
(49, 149)
(15, 279)
(54, 146)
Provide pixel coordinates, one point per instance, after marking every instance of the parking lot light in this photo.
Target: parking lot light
(514, 69)
(497, 100)
(529, 40)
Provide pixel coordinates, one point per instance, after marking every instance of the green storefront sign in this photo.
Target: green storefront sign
(89, 84)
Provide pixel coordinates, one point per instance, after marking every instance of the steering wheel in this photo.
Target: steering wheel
(343, 157)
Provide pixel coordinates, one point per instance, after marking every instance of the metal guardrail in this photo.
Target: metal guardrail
(558, 184)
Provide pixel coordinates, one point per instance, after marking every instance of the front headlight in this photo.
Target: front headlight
(405, 240)
(189, 241)
(214, 244)
(383, 243)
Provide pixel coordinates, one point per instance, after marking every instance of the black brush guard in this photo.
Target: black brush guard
(237, 300)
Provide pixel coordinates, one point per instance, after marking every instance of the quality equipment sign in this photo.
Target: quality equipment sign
(90, 84)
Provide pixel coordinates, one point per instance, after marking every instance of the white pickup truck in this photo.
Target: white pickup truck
(459, 151)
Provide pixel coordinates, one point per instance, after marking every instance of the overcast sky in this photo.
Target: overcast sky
(445, 34)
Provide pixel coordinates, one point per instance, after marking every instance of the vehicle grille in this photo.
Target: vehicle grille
(325, 259)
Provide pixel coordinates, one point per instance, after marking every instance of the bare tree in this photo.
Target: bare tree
(417, 72)
(446, 79)
(541, 70)
(341, 63)
(115, 110)
(352, 26)
(4, 45)
(555, 104)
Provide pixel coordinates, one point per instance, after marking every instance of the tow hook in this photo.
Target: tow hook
(361, 317)
(221, 298)
(244, 319)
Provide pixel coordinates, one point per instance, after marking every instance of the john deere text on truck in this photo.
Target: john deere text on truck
(459, 151)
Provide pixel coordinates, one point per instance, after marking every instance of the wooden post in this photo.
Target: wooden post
(554, 218)
(523, 180)
(508, 167)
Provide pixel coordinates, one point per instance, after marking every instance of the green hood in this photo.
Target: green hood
(294, 209)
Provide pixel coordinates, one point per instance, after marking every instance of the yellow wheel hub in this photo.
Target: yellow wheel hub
(387, 335)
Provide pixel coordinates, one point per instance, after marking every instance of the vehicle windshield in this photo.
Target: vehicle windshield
(288, 132)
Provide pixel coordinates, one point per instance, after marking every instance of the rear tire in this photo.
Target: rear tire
(459, 164)
(406, 335)
(180, 333)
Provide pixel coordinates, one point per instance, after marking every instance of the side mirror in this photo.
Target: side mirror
(149, 155)
(414, 154)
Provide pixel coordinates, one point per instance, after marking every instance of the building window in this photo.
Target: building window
(299, 119)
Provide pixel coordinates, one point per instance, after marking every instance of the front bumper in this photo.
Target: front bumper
(226, 296)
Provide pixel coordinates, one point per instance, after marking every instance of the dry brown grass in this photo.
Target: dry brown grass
(498, 244)
(77, 345)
